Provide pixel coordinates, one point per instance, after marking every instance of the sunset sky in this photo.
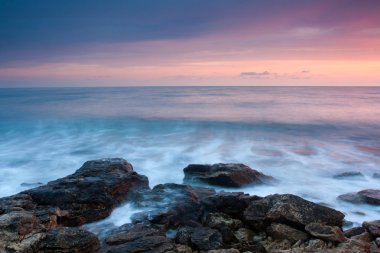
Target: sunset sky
(189, 42)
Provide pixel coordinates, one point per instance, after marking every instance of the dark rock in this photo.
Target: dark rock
(373, 227)
(376, 175)
(206, 238)
(368, 196)
(290, 209)
(151, 244)
(231, 203)
(244, 235)
(131, 232)
(280, 232)
(349, 175)
(324, 232)
(183, 235)
(171, 205)
(219, 220)
(29, 185)
(69, 240)
(354, 231)
(224, 174)
(91, 193)
(224, 251)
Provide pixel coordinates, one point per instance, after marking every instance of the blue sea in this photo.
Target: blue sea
(302, 136)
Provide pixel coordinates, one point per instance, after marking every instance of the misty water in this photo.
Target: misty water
(302, 136)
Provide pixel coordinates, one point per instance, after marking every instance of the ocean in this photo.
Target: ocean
(302, 136)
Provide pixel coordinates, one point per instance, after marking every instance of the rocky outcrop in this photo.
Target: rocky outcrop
(177, 218)
(34, 220)
(369, 196)
(349, 175)
(224, 174)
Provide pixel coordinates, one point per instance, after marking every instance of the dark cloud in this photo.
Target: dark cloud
(264, 73)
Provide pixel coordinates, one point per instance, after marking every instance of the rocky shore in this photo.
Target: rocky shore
(180, 218)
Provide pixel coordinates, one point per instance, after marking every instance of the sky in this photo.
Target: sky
(70, 43)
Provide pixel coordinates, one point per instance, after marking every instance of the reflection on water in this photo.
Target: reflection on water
(302, 136)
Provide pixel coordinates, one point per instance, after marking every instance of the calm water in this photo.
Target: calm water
(300, 135)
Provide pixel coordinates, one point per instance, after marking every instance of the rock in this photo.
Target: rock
(224, 174)
(151, 244)
(131, 232)
(376, 175)
(231, 203)
(280, 231)
(17, 230)
(349, 175)
(368, 196)
(171, 205)
(224, 251)
(29, 185)
(289, 209)
(324, 232)
(219, 220)
(365, 237)
(354, 231)
(244, 235)
(183, 235)
(88, 195)
(91, 193)
(69, 240)
(206, 238)
(351, 246)
(373, 227)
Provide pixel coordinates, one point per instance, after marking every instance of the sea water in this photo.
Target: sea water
(302, 136)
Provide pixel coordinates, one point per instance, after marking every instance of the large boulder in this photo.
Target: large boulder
(290, 209)
(224, 174)
(368, 196)
(373, 227)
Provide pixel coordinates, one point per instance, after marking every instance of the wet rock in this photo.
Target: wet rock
(368, 196)
(354, 231)
(171, 205)
(30, 185)
(324, 232)
(206, 238)
(69, 240)
(349, 175)
(351, 246)
(224, 174)
(280, 232)
(365, 237)
(376, 175)
(183, 235)
(373, 227)
(289, 209)
(231, 203)
(219, 220)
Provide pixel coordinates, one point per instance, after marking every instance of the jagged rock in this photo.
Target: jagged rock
(324, 232)
(219, 220)
(183, 235)
(354, 231)
(365, 237)
(349, 175)
(290, 209)
(151, 244)
(206, 238)
(68, 240)
(368, 196)
(224, 174)
(231, 203)
(18, 231)
(244, 235)
(280, 231)
(373, 227)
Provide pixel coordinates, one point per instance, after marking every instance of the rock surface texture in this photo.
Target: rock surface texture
(224, 174)
(176, 218)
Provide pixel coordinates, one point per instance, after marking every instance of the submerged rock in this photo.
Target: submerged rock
(349, 175)
(224, 174)
(368, 196)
